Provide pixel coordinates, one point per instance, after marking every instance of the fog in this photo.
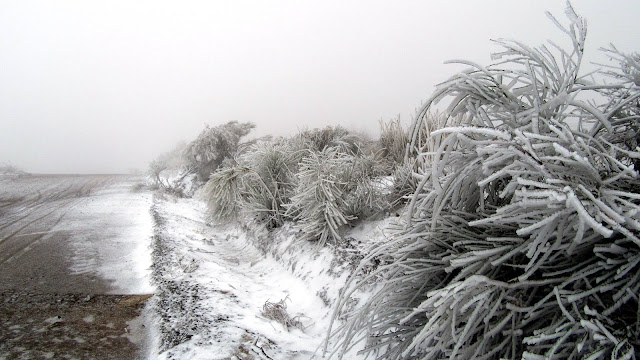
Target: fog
(106, 86)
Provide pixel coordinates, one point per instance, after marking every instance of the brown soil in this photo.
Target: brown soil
(70, 326)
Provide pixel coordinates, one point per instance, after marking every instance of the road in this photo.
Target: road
(74, 259)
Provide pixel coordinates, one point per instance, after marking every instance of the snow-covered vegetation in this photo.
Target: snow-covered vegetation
(520, 205)
(9, 169)
(521, 240)
(213, 146)
(321, 179)
(186, 167)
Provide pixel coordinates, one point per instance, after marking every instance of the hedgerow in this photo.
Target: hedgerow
(320, 179)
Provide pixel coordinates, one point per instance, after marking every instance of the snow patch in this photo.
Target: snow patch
(226, 281)
(213, 282)
(111, 237)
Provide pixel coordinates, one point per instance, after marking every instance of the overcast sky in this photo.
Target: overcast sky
(105, 86)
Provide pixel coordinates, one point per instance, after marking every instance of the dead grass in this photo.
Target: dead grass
(278, 312)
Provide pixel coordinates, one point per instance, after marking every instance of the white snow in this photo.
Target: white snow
(235, 279)
(110, 235)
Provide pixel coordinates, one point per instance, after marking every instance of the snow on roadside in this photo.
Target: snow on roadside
(326, 270)
(212, 284)
(112, 237)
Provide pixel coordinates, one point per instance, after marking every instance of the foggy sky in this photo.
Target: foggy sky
(106, 86)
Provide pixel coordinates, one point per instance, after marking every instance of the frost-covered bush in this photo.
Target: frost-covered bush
(156, 167)
(407, 169)
(215, 144)
(334, 189)
(258, 183)
(272, 180)
(393, 140)
(319, 204)
(9, 169)
(170, 172)
(367, 187)
(521, 239)
(404, 183)
(223, 193)
(320, 179)
(317, 140)
(393, 143)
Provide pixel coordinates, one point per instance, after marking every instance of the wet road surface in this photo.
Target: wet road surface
(56, 234)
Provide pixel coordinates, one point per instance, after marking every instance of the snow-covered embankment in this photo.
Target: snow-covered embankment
(213, 282)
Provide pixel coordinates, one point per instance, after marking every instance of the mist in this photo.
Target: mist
(105, 87)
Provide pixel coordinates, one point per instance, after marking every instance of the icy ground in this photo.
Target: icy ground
(112, 232)
(213, 282)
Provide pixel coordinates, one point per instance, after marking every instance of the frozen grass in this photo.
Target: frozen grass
(278, 311)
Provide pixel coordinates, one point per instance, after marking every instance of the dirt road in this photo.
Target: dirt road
(72, 282)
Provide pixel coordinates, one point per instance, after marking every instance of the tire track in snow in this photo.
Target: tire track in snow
(26, 207)
(27, 244)
(63, 200)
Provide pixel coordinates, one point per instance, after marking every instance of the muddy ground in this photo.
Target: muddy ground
(70, 326)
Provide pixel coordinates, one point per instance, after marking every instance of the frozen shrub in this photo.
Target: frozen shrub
(409, 170)
(280, 180)
(319, 178)
(9, 169)
(521, 239)
(318, 140)
(366, 188)
(171, 173)
(404, 183)
(334, 189)
(156, 167)
(392, 145)
(393, 141)
(223, 193)
(258, 183)
(271, 181)
(207, 152)
(319, 203)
